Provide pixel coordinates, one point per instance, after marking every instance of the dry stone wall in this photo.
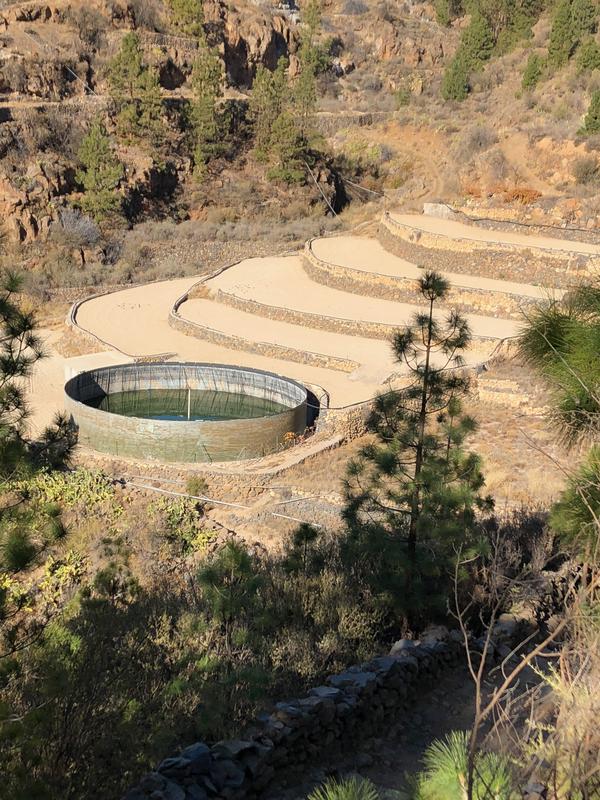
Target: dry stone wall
(388, 287)
(346, 710)
(502, 261)
(368, 330)
(262, 348)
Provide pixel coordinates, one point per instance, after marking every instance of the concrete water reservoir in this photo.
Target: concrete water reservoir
(185, 412)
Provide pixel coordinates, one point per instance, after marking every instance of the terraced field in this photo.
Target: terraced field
(325, 316)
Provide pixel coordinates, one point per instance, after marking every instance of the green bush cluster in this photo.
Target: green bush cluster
(534, 70)
(591, 122)
(572, 23)
(588, 56)
(495, 28)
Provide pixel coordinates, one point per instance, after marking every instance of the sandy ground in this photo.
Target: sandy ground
(368, 255)
(283, 282)
(135, 321)
(46, 387)
(460, 230)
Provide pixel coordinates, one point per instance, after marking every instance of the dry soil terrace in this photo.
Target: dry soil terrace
(135, 321)
(283, 283)
(369, 255)
(460, 230)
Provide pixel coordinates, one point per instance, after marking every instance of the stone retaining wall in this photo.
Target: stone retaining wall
(262, 348)
(341, 714)
(502, 261)
(369, 330)
(503, 222)
(388, 287)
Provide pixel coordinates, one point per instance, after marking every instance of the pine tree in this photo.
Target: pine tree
(477, 43)
(287, 148)
(311, 17)
(591, 123)
(126, 69)
(573, 21)
(20, 350)
(305, 88)
(135, 90)
(455, 83)
(559, 47)
(206, 121)
(150, 106)
(305, 93)
(100, 173)
(561, 342)
(411, 496)
(476, 46)
(534, 70)
(188, 16)
(267, 101)
(584, 14)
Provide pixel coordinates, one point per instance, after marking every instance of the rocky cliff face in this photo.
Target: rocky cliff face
(53, 56)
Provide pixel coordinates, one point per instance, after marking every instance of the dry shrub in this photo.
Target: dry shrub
(472, 189)
(476, 140)
(90, 23)
(521, 194)
(586, 169)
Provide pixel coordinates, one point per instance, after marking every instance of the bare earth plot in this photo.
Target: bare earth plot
(282, 282)
(369, 255)
(459, 230)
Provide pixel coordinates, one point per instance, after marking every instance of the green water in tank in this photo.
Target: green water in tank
(175, 405)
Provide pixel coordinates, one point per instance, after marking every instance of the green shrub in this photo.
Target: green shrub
(588, 56)
(591, 123)
(346, 789)
(533, 71)
(442, 12)
(402, 97)
(18, 550)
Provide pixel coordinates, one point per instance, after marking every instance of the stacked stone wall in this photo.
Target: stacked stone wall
(269, 349)
(341, 714)
(388, 287)
(368, 330)
(544, 267)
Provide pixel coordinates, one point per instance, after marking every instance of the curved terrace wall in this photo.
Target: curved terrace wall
(402, 290)
(269, 349)
(183, 441)
(553, 268)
